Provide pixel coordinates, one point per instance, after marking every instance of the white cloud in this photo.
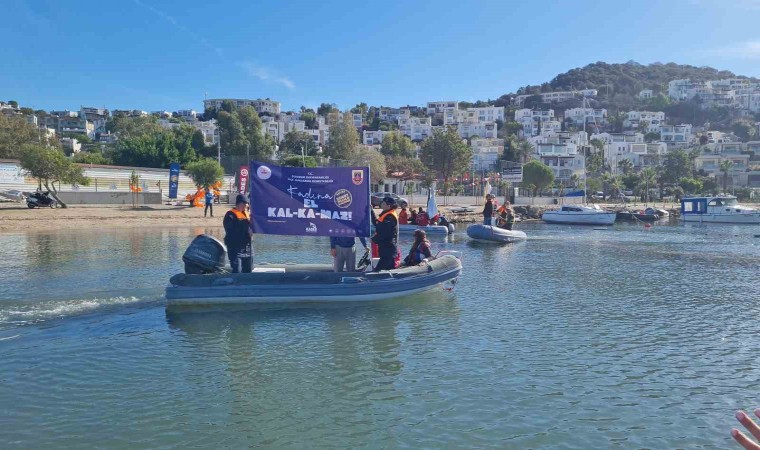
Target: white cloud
(265, 74)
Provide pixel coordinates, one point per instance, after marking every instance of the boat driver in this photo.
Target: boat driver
(237, 237)
(386, 234)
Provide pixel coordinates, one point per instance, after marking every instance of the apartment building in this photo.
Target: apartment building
(534, 121)
(676, 135)
(417, 128)
(653, 120)
(478, 129)
(564, 158)
(437, 108)
(373, 137)
(485, 153)
(556, 97)
(265, 106)
(645, 94)
(579, 116)
(394, 115)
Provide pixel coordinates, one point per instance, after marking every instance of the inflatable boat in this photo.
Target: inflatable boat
(433, 230)
(489, 234)
(205, 281)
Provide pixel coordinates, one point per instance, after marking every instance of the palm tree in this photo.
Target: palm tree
(626, 165)
(575, 180)
(693, 155)
(616, 187)
(648, 178)
(725, 166)
(523, 150)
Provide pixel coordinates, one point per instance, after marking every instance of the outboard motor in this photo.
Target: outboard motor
(206, 254)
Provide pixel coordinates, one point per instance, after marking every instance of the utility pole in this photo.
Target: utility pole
(303, 155)
(219, 148)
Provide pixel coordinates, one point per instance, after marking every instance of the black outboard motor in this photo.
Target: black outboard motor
(206, 254)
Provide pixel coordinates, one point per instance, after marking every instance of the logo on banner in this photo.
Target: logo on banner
(173, 178)
(263, 172)
(357, 176)
(244, 172)
(311, 228)
(343, 198)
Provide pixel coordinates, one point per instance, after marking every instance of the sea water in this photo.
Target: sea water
(577, 338)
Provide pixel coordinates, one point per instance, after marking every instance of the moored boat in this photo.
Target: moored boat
(717, 210)
(580, 215)
(490, 234)
(433, 230)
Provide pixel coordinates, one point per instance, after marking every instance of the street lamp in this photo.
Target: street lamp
(303, 154)
(219, 147)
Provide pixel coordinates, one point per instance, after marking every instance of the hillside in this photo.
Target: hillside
(627, 79)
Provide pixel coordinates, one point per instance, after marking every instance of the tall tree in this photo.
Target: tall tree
(326, 108)
(16, 132)
(676, 165)
(396, 144)
(296, 141)
(626, 166)
(365, 156)
(538, 175)
(725, 166)
(344, 140)
(50, 166)
(446, 154)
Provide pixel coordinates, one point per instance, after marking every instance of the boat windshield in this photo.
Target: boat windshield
(729, 202)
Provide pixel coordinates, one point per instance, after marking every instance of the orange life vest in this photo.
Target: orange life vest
(240, 214)
(385, 214)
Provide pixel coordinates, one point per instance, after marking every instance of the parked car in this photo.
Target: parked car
(13, 195)
(377, 197)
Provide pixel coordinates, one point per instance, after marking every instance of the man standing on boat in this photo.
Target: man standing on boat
(386, 234)
(343, 251)
(237, 237)
(488, 210)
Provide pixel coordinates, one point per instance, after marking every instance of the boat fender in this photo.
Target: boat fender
(223, 282)
(451, 228)
(352, 280)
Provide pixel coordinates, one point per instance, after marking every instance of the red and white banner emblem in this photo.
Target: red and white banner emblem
(243, 185)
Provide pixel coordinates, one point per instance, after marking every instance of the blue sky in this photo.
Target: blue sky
(168, 54)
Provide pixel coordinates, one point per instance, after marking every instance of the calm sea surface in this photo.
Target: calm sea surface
(577, 338)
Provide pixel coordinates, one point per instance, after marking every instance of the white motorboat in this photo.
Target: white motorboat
(717, 210)
(580, 215)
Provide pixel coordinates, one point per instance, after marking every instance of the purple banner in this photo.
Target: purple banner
(301, 201)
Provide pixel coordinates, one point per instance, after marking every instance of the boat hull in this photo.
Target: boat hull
(601, 218)
(489, 234)
(722, 218)
(430, 230)
(294, 285)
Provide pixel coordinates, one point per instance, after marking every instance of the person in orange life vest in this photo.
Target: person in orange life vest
(386, 234)
(237, 236)
(506, 216)
(403, 216)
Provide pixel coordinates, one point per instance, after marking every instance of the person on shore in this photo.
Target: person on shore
(488, 210)
(386, 234)
(506, 216)
(343, 251)
(412, 216)
(209, 197)
(752, 427)
(403, 216)
(420, 250)
(237, 236)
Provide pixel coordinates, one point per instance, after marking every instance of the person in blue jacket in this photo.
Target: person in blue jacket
(343, 251)
(209, 203)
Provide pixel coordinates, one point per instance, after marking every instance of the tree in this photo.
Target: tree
(15, 132)
(365, 156)
(82, 138)
(703, 139)
(205, 172)
(648, 180)
(676, 166)
(725, 166)
(537, 174)
(126, 127)
(310, 119)
(90, 158)
(652, 136)
(522, 150)
(405, 165)
(626, 166)
(396, 144)
(745, 130)
(50, 166)
(344, 140)
(446, 154)
(299, 161)
(690, 185)
(326, 108)
(295, 142)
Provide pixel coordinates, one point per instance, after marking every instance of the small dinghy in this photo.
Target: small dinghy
(205, 281)
(489, 234)
(430, 230)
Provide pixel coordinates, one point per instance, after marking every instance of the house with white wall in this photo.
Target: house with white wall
(485, 153)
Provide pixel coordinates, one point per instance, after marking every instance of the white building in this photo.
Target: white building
(278, 128)
(479, 129)
(653, 120)
(579, 116)
(486, 152)
(646, 94)
(534, 121)
(676, 135)
(437, 108)
(71, 145)
(373, 137)
(489, 113)
(394, 115)
(564, 158)
(261, 106)
(187, 114)
(556, 97)
(358, 119)
(416, 128)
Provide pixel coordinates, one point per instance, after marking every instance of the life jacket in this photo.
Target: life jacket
(403, 217)
(240, 214)
(385, 214)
